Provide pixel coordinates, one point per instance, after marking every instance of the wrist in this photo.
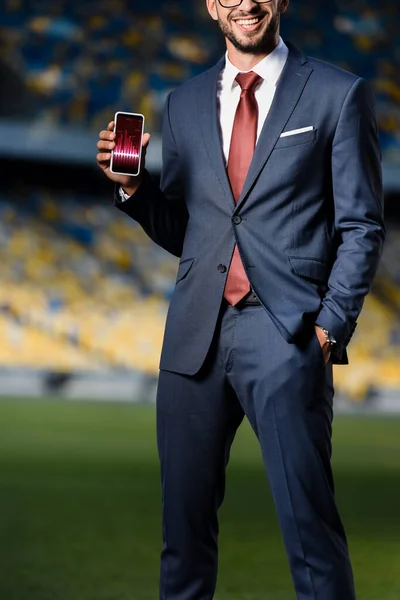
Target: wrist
(330, 340)
(129, 190)
(132, 186)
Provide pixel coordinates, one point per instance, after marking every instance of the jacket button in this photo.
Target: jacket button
(221, 268)
(237, 220)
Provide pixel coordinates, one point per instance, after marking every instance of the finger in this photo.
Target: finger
(110, 126)
(104, 134)
(103, 157)
(102, 145)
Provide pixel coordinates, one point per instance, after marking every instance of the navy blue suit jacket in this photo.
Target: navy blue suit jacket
(309, 222)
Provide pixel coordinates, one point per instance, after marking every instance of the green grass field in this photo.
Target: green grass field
(80, 506)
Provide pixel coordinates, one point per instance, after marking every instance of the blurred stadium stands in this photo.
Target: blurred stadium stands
(81, 287)
(85, 58)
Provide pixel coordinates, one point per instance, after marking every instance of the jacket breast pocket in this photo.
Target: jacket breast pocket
(297, 139)
(184, 268)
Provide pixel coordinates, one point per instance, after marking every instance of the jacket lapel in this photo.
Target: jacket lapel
(207, 102)
(289, 89)
(288, 92)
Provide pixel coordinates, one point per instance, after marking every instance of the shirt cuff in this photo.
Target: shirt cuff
(123, 195)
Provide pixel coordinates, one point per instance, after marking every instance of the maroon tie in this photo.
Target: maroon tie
(243, 142)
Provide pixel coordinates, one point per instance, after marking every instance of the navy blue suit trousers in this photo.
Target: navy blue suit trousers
(286, 392)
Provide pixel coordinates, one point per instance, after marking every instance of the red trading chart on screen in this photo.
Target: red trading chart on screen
(127, 149)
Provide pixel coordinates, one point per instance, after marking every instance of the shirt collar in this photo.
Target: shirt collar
(269, 68)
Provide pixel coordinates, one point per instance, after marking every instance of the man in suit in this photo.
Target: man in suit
(271, 197)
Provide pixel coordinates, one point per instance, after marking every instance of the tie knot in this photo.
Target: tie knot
(248, 81)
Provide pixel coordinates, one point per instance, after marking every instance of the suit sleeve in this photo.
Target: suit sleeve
(358, 203)
(161, 211)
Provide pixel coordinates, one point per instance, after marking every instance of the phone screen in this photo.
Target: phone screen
(128, 142)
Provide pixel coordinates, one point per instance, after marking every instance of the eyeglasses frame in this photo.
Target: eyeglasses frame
(239, 3)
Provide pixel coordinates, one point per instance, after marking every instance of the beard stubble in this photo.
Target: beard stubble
(264, 44)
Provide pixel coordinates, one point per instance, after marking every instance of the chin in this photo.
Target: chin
(252, 45)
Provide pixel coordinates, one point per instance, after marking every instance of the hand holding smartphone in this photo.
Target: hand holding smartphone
(127, 154)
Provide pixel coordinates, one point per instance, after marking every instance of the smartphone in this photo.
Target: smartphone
(126, 156)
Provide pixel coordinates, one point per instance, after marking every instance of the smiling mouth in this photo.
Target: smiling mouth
(249, 24)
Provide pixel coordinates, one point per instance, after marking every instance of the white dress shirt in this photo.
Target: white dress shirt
(270, 69)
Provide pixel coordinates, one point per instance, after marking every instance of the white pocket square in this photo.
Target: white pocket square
(297, 131)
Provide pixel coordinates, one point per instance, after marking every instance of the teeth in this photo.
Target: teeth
(247, 22)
